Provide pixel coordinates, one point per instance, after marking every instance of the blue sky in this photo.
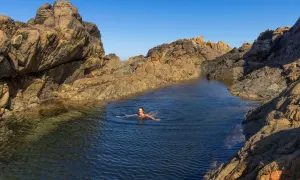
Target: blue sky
(132, 27)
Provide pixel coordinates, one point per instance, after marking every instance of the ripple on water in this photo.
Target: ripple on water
(199, 129)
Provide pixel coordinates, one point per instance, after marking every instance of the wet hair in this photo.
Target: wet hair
(142, 109)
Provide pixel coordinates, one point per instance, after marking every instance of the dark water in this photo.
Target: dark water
(199, 129)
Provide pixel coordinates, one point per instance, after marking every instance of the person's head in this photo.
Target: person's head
(141, 110)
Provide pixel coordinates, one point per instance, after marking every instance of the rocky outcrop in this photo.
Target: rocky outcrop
(271, 70)
(163, 65)
(265, 43)
(274, 150)
(262, 84)
(262, 70)
(57, 36)
(266, 76)
(54, 48)
(229, 66)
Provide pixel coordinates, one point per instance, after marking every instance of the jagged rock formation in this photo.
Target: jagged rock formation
(272, 130)
(163, 65)
(58, 36)
(229, 66)
(53, 48)
(275, 148)
(262, 70)
(262, 84)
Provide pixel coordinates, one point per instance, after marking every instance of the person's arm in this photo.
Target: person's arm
(126, 116)
(152, 117)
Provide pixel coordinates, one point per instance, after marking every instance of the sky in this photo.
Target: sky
(132, 27)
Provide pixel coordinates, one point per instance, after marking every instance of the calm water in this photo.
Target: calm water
(199, 129)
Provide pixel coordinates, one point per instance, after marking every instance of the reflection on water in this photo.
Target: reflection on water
(199, 128)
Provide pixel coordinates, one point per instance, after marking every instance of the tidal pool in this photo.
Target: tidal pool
(199, 129)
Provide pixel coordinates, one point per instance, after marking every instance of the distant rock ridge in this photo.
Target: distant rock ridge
(220, 45)
(163, 65)
(207, 50)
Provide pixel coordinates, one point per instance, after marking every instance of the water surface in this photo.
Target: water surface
(199, 128)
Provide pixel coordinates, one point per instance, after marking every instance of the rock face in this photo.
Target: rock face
(163, 65)
(274, 150)
(229, 66)
(270, 70)
(262, 70)
(59, 36)
(262, 84)
(265, 43)
(53, 48)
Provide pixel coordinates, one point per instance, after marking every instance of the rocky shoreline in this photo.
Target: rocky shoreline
(270, 71)
(58, 57)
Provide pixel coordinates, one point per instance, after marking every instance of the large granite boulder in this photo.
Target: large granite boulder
(57, 36)
(54, 48)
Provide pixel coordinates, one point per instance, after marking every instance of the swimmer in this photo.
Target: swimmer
(141, 115)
